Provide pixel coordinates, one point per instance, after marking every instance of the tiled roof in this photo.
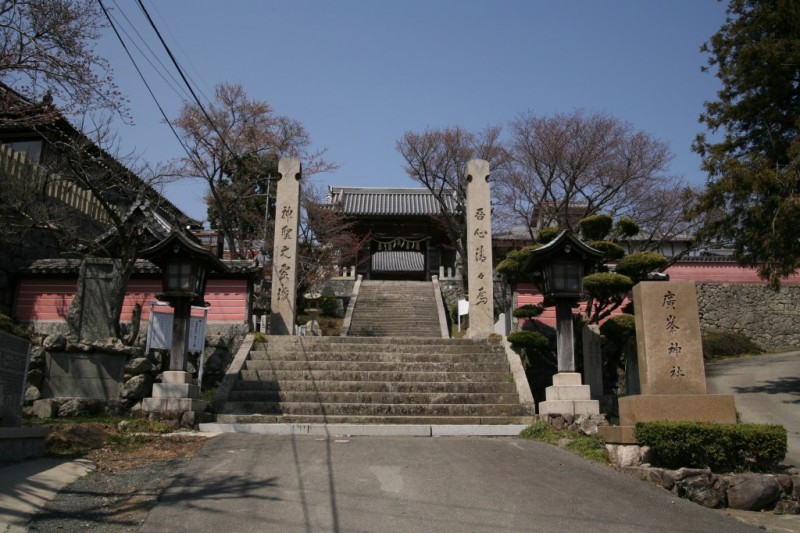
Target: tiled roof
(72, 266)
(398, 262)
(382, 201)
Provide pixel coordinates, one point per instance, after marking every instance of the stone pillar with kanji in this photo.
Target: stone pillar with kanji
(284, 254)
(479, 250)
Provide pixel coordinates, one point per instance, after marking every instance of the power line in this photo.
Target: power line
(183, 77)
(176, 88)
(125, 47)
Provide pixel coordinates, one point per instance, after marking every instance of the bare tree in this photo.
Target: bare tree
(438, 160)
(326, 239)
(234, 147)
(47, 50)
(565, 167)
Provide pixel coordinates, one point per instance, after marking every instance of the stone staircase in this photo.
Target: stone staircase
(395, 309)
(362, 380)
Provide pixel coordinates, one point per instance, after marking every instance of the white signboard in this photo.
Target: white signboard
(159, 332)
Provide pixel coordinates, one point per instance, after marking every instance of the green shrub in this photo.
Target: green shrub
(720, 447)
(528, 311)
(9, 325)
(260, 337)
(725, 344)
(529, 339)
(619, 329)
(595, 227)
(605, 285)
(638, 264)
(626, 227)
(611, 251)
(327, 306)
(548, 234)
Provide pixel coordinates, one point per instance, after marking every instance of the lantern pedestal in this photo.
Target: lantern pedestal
(568, 397)
(175, 393)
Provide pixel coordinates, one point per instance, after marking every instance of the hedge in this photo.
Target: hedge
(720, 447)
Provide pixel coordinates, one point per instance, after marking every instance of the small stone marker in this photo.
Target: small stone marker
(284, 254)
(668, 341)
(479, 250)
(14, 356)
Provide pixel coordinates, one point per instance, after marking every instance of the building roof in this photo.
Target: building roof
(50, 267)
(388, 201)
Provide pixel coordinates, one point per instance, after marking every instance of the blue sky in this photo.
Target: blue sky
(358, 73)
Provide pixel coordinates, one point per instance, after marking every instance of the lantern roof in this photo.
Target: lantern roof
(565, 245)
(188, 246)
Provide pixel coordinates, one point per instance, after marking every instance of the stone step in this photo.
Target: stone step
(356, 419)
(377, 332)
(328, 375)
(372, 409)
(396, 398)
(376, 366)
(446, 387)
(388, 357)
(396, 341)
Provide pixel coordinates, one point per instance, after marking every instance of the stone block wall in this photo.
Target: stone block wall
(768, 317)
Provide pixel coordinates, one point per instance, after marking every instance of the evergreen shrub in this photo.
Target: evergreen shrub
(726, 344)
(720, 447)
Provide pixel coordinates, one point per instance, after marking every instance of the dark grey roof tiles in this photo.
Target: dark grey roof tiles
(382, 201)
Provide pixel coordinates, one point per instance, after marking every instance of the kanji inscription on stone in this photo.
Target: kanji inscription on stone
(668, 342)
(479, 249)
(284, 268)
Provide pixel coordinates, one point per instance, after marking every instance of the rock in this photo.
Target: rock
(568, 419)
(791, 507)
(701, 486)
(35, 377)
(624, 455)
(32, 394)
(79, 407)
(785, 481)
(556, 421)
(138, 365)
(37, 358)
(752, 492)
(796, 486)
(47, 408)
(55, 343)
(114, 345)
(137, 387)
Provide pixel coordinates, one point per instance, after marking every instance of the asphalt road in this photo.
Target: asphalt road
(766, 389)
(244, 482)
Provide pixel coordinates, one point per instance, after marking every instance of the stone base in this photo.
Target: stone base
(173, 404)
(175, 390)
(719, 408)
(617, 434)
(568, 397)
(22, 443)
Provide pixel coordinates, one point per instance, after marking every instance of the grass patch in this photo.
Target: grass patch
(587, 446)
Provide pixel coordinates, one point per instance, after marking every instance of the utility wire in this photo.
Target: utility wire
(125, 47)
(175, 85)
(188, 85)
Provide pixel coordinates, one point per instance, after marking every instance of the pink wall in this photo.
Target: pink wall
(49, 299)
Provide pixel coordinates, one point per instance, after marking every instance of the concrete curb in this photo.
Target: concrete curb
(232, 374)
(27, 487)
(348, 315)
(371, 430)
(437, 292)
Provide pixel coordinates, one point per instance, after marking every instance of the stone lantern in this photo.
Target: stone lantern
(559, 268)
(184, 263)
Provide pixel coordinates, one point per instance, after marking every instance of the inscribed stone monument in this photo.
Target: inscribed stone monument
(91, 309)
(284, 255)
(671, 370)
(479, 250)
(668, 341)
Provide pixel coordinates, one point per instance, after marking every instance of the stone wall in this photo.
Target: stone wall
(768, 317)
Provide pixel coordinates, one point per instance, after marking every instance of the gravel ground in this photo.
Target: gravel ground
(112, 501)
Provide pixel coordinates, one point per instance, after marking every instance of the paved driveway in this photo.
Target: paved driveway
(767, 390)
(244, 482)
